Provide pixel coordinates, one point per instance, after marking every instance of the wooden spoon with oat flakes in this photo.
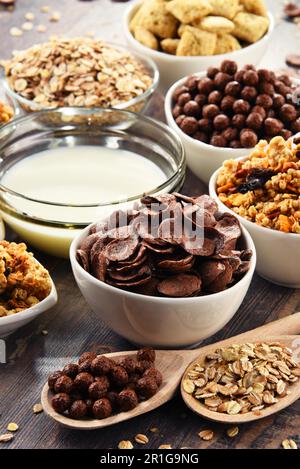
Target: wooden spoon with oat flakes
(175, 363)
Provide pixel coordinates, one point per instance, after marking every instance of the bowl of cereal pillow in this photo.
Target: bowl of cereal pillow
(263, 191)
(223, 113)
(186, 36)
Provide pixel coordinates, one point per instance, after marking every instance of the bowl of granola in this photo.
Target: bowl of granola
(26, 288)
(80, 72)
(186, 36)
(263, 191)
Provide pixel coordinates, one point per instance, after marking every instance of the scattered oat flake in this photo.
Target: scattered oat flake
(165, 447)
(289, 444)
(27, 26)
(44, 332)
(206, 435)
(90, 33)
(29, 16)
(15, 32)
(45, 9)
(12, 427)
(6, 437)
(125, 444)
(154, 430)
(55, 16)
(232, 432)
(37, 408)
(142, 439)
(41, 28)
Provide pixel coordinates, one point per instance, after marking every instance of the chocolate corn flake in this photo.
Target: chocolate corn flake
(172, 245)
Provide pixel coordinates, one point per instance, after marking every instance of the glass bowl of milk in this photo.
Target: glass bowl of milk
(62, 169)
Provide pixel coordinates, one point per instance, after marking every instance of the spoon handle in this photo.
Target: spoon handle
(289, 325)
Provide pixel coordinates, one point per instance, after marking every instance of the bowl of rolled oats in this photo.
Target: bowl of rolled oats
(79, 72)
(26, 288)
(263, 191)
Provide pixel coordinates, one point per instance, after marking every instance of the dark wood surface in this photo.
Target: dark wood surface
(73, 328)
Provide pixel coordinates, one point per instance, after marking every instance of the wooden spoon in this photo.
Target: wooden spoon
(173, 363)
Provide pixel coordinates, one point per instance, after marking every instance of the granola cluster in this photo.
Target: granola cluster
(265, 188)
(6, 113)
(23, 281)
(243, 378)
(76, 72)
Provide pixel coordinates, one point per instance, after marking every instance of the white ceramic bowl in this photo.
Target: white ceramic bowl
(174, 67)
(278, 254)
(203, 159)
(160, 322)
(9, 324)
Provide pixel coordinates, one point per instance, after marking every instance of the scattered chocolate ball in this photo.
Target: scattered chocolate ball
(63, 384)
(78, 410)
(147, 354)
(128, 400)
(71, 370)
(101, 365)
(102, 408)
(52, 379)
(83, 381)
(87, 356)
(119, 376)
(61, 402)
(146, 387)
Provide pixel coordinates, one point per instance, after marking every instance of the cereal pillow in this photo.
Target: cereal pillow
(154, 17)
(170, 45)
(227, 8)
(188, 11)
(249, 27)
(196, 42)
(257, 7)
(226, 43)
(145, 37)
(215, 24)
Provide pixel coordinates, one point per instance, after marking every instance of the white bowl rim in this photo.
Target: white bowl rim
(118, 291)
(176, 58)
(27, 313)
(191, 140)
(263, 229)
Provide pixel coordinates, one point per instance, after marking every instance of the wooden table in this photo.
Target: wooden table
(72, 327)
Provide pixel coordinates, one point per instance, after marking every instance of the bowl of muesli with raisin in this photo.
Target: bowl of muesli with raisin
(263, 191)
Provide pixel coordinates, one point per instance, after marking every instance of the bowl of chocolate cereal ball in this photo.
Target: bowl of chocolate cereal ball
(168, 273)
(223, 113)
(80, 72)
(187, 36)
(263, 191)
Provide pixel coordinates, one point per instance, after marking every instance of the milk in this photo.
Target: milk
(79, 175)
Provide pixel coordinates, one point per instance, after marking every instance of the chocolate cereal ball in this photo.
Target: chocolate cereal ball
(248, 138)
(177, 110)
(130, 364)
(264, 100)
(102, 408)
(200, 99)
(113, 398)
(286, 134)
(189, 125)
(63, 384)
(249, 93)
(241, 106)
(183, 99)
(78, 410)
(273, 126)
(227, 103)
(83, 381)
(101, 365)
(71, 370)
(221, 122)
(233, 88)
(146, 353)
(52, 379)
(215, 97)
(230, 134)
(295, 126)
(254, 121)
(99, 388)
(87, 356)
(128, 400)
(180, 90)
(146, 387)
(61, 402)
(238, 121)
(205, 125)
(260, 110)
(229, 67)
(119, 376)
(192, 83)
(212, 72)
(251, 78)
(85, 367)
(155, 374)
(205, 85)
(218, 141)
(191, 108)
(210, 111)
(278, 101)
(235, 144)
(221, 80)
(288, 113)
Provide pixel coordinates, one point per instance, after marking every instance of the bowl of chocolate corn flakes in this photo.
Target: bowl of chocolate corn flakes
(169, 273)
(187, 36)
(263, 191)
